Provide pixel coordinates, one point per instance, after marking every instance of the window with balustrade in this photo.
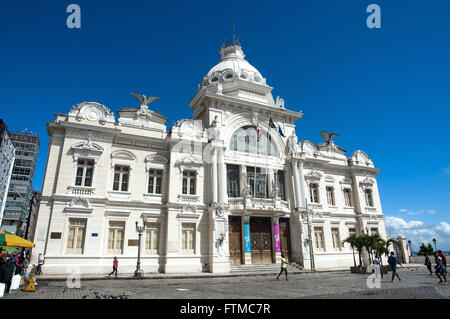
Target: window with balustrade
(85, 170)
(121, 178)
(348, 197)
(314, 193)
(155, 181)
(369, 197)
(189, 182)
(233, 180)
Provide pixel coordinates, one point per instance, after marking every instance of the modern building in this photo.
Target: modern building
(26, 146)
(7, 155)
(229, 186)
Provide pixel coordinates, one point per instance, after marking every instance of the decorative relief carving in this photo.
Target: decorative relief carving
(92, 111)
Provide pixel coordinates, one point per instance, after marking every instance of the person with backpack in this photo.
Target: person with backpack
(444, 261)
(392, 260)
(428, 264)
(440, 270)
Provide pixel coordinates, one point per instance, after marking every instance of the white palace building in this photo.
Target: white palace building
(220, 189)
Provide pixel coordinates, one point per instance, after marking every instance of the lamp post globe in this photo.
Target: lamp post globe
(434, 242)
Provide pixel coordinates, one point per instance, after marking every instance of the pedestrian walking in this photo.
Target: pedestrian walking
(26, 263)
(5, 276)
(115, 266)
(440, 270)
(428, 264)
(283, 267)
(444, 261)
(41, 261)
(392, 260)
(19, 264)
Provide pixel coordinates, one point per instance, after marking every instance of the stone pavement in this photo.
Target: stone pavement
(416, 284)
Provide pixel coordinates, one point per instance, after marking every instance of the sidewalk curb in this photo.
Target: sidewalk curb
(155, 276)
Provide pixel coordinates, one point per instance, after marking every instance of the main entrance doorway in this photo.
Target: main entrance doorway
(285, 238)
(261, 240)
(235, 241)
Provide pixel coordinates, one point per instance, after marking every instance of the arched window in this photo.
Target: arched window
(245, 140)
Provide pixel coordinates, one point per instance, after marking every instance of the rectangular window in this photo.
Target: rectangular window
(116, 237)
(233, 180)
(85, 169)
(121, 177)
(280, 184)
(374, 231)
(330, 196)
(351, 231)
(257, 178)
(314, 193)
(336, 238)
(154, 181)
(189, 181)
(348, 197)
(75, 236)
(188, 238)
(369, 198)
(152, 238)
(318, 239)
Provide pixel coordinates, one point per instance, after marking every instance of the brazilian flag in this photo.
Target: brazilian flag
(271, 123)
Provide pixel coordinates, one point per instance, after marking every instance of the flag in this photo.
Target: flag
(280, 131)
(271, 123)
(258, 131)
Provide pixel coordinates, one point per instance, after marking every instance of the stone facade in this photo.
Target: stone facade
(7, 156)
(228, 186)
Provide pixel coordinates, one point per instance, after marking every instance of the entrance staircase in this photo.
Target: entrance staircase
(264, 268)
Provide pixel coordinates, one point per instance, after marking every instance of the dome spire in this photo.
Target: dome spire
(235, 40)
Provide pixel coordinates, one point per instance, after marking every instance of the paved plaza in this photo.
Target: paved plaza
(416, 283)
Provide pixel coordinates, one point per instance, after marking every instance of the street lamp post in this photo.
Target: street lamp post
(139, 273)
(410, 249)
(311, 251)
(434, 242)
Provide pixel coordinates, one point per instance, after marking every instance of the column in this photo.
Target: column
(358, 211)
(302, 184)
(214, 175)
(222, 177)
(296, 183)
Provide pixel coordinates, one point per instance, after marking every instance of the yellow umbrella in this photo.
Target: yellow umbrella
(9, 239)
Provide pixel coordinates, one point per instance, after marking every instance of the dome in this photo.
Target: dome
(233, 65)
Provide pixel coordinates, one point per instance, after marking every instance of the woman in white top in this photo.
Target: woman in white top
(283, 267)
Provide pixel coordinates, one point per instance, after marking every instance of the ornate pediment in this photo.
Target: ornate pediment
(329, 179)
(360, 158)
(189, 162)
(123, 155)
(366, 183)
(78, 205)
(313, 175)
(92, 111)
(188, 127)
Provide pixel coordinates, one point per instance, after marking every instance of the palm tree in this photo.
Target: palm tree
(352, 241)
(355, 242)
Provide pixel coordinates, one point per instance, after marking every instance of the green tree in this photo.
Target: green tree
(355, 242)
(425, 250)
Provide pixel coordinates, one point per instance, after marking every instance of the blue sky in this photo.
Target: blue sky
(385, 91)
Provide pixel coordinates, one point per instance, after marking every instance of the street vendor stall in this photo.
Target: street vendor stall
(10, 240)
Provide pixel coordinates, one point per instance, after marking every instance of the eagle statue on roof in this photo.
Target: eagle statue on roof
(143, 99)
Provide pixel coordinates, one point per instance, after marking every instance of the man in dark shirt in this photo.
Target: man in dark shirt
(392, 260)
